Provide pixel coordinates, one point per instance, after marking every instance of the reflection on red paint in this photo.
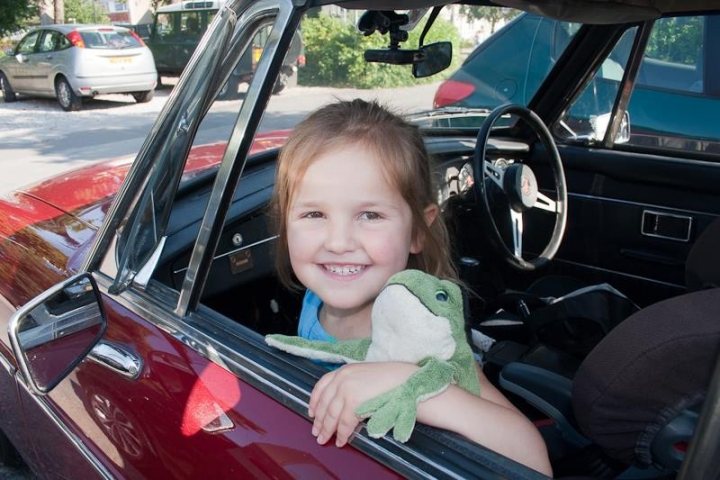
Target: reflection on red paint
(215, 392)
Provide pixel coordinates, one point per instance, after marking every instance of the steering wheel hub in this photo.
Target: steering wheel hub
(521, 187)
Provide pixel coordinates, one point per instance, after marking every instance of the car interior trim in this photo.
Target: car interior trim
(42, 403)
(640, 204)
(622, 274)
(237, 250)
(211, 339)
(648, 227)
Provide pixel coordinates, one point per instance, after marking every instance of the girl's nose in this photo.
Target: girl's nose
(340, 238)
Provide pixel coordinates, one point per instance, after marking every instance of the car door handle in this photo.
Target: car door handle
(117, 358)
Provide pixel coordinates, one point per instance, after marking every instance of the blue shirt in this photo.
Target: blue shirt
(309, 326)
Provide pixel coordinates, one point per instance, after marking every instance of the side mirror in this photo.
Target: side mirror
(52, 333)
(600, 123)
(20, 57)
(428, 60)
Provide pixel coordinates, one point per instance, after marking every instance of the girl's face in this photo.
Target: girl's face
(348, 229)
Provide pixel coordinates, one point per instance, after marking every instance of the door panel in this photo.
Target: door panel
(609, 193)
(184, 417)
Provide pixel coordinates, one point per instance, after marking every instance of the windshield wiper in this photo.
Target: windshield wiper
(449, 112)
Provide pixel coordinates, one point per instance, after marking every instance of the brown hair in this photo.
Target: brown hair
(405, 160)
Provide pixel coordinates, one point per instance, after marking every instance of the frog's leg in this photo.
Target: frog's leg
(398, 407)
(346, 351)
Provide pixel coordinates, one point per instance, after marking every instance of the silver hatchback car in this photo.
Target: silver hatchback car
(72, 62)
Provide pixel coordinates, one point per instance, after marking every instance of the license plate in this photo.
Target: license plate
(120, 59)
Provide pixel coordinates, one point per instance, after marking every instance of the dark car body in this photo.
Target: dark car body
(169, 258)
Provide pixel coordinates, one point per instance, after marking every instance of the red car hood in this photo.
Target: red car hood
(47, 229)
(79, 189)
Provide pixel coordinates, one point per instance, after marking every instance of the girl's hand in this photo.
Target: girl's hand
(338, 393)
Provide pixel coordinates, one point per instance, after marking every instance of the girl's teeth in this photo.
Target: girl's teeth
(347, 270)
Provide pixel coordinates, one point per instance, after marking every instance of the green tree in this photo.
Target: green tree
(494, 15)
(14, 14)
(85, 11)
(334, 53)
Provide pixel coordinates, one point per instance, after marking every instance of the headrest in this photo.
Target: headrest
(654, 364)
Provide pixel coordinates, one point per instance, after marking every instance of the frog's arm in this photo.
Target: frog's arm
(398, 407)
(346, 351)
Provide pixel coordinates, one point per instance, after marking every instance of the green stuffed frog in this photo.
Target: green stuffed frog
(416, 318)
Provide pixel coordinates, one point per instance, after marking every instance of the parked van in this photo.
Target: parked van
(177, 30)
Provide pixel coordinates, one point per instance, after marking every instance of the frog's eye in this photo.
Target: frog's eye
(441, 296)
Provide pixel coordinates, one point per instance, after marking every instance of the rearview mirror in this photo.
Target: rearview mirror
(428, 60)
(52, 333)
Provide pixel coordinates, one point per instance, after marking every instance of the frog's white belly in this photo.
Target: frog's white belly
(403, 329)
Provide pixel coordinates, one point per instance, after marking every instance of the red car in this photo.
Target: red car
(134, 295)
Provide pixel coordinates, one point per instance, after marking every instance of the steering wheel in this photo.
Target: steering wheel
(520, 187)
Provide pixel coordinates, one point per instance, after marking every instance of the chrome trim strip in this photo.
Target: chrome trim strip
(640, 204)
(259, 242)
(247, 369)
(7, 366)
(663, 214)
(74, 439)
(622, 274)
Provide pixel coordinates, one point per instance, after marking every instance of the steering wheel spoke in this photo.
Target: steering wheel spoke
(544, 202)
(494, 173)
(516, 221)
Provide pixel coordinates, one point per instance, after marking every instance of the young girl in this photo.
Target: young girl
(355, 204)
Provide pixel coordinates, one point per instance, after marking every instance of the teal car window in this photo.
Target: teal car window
(672, 106)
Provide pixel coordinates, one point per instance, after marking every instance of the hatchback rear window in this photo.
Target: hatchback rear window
(109, 39)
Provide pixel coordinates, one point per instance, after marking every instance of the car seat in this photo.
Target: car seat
(636, 397)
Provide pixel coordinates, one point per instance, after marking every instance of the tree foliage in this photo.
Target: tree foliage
(14, 13)
(85, 11)
(334, 52)
(493, 15)
(677, 40)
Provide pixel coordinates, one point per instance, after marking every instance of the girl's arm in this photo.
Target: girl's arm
(490, 420)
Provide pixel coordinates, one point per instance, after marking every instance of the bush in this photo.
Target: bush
(334, 55)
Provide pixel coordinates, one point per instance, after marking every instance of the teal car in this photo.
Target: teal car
(512, 64)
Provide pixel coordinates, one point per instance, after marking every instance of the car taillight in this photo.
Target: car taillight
(137, 37)
(76, 39)
(301, 60)
(451, 92)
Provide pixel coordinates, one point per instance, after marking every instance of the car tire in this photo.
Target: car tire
(68, 100)
(281, 83)
(144, 97)
(8, 92)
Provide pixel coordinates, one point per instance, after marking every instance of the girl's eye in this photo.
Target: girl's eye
(312, 215)
(370, 216)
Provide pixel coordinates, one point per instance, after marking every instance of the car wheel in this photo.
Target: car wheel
(281, 83)
(8, 92)
(8, 455)
(143, 97)
(67, 99)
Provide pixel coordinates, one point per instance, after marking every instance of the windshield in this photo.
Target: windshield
(106, 38)
(499, 55)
